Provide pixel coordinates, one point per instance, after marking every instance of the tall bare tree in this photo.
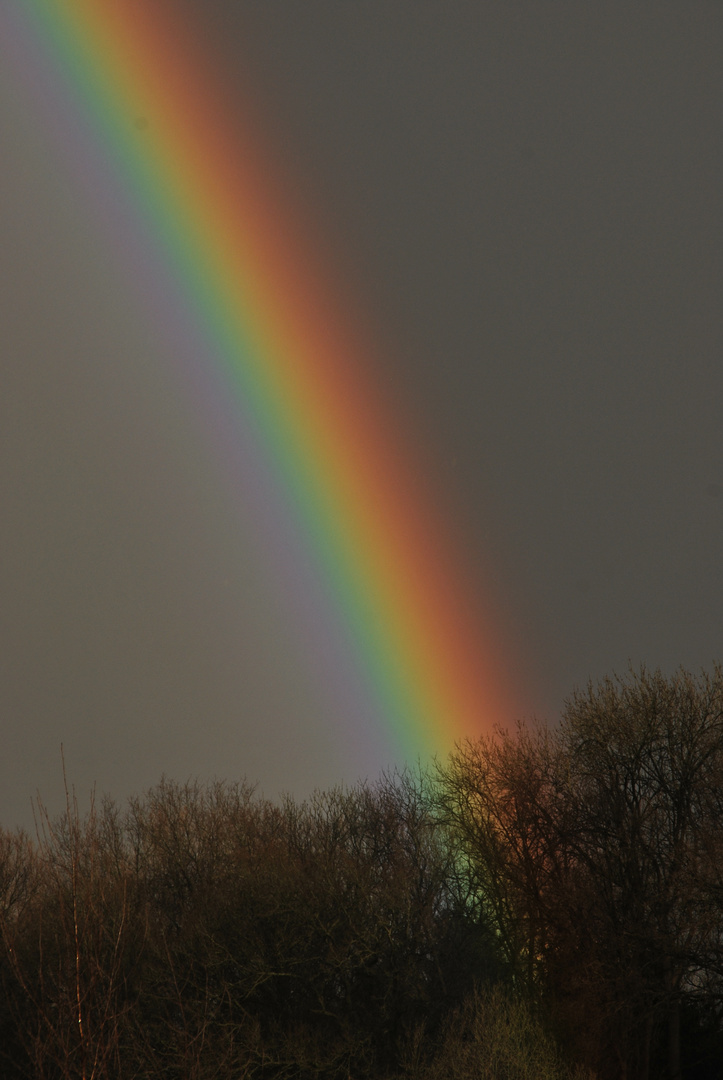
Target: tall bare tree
(596, 848)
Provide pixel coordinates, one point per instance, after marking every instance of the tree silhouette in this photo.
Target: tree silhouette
(596, 849)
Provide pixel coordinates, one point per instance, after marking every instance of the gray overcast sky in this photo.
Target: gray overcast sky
(526, 200)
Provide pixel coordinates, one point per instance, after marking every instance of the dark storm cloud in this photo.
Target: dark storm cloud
(524, 200)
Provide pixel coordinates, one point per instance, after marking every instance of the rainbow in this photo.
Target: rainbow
(227, 264)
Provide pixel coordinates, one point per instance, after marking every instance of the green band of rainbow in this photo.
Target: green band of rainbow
(198, 183)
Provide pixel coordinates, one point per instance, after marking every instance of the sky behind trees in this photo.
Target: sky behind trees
(524, 203)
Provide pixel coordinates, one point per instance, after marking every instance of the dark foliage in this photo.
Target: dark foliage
(207, 932)
(543, 892)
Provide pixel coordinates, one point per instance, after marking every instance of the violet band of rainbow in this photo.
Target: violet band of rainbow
(288, 374)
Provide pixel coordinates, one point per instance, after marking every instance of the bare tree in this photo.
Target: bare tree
(596, 848)
(66, 949)
(645, 759)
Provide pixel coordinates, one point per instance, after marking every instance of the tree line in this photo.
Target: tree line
(545, 904)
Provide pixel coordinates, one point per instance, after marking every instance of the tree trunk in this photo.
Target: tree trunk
(647, 1042)
(674, 1041)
